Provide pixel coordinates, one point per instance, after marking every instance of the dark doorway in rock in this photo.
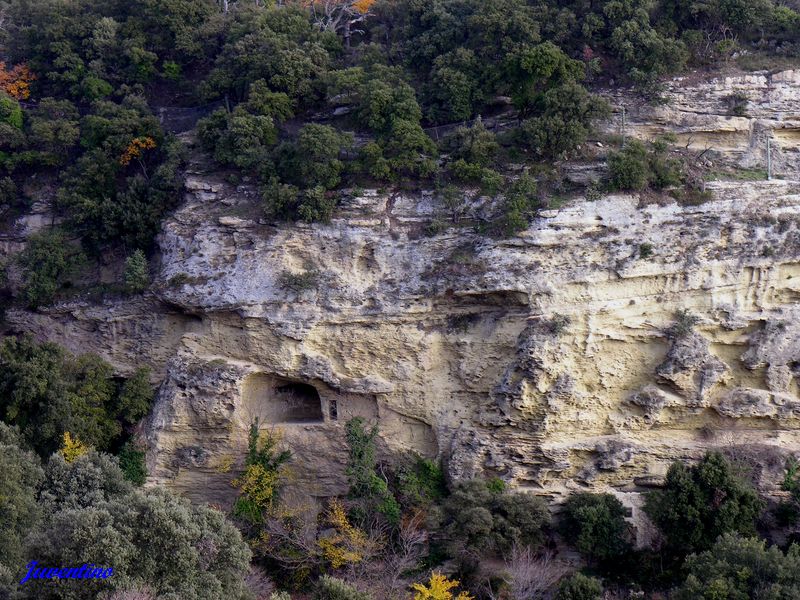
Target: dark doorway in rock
(298, 402)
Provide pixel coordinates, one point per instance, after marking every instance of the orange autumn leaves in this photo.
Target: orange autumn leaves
(16, 82)
(136, 149)
(363, 6)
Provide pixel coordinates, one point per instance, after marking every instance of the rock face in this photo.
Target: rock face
(550, 359)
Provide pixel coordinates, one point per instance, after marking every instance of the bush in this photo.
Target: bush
(474, 145)
(439, 587)
(637, 167)
(330, 588)
(479, 519)
(420, 482)
(260, 484)
(151, 538)
(700, 503)
(369, 490)
(19, 511)
(595, 524)
(580, 587)
(312, 159)
(521, 203)
(741, 568)
(628, 168)
(137, 276)
(48, 261)
(135, 397)
(132, 464)
(90, 479)
(48, 392)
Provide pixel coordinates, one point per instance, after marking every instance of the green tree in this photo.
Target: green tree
(54, 130)
(579, 587)
(137, 276)
(595, 525)
(737, 568)
(19, 511)
(479, 517)
(702, 502)
(369, 489)
(33, 391)
(47, 392)
(312, 160)
(88, 480)
(132, 463)
(90, 393)
(331, 588)
(48, 261)
(135, 397)
(151, 538)
(520, 204)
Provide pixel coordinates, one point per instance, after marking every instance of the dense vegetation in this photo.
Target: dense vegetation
(310, 101)
(304, 102)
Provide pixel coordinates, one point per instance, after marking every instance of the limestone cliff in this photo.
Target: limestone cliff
(546, 359)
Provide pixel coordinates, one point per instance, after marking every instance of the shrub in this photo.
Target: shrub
(702, 502)
(629, 168)
(737, 567)
(521, 203)
(135, 397)
(312, 159)
(579, 587)
(331, 588)
(151, 537)
(137, 276)
(72, 448)
(369, 490)
(409, 151)
(684, 324)
(737, 104)
(637, 166)
(89, 479)
(260, 483)
(299, 282)
(48, 261)
(132, 464)
(48, 392)
(420, 482)
(595, 524)
(481, 519)
(474, 145)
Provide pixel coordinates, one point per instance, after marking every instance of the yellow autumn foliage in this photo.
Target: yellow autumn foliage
(72, 448)
(439, 588)
(258, 485)
(136, 148)
(348, 545)
(363, 6)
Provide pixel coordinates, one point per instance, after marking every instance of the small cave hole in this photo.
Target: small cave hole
(298, 402)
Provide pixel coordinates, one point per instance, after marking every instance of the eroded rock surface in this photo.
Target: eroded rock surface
(545, 359)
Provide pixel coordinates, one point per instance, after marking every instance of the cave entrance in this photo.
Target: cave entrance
(276, 400)
(298, 402)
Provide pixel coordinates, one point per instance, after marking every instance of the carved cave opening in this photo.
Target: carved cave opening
(275, 400)
(299, 402)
